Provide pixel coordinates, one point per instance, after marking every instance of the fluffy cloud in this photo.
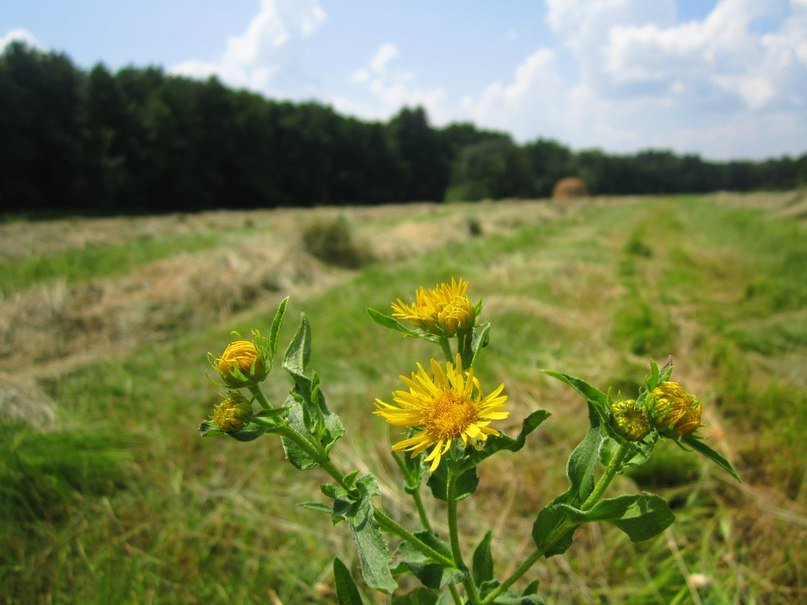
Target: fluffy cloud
(386, 87)
(19, 34)
(256, 58)
(640, 78)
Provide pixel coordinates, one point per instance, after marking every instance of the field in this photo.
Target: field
(109, 495)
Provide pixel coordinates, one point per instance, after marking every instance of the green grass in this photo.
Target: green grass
(160, 515)
(96, 261)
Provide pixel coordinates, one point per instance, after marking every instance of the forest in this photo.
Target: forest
(139, 140)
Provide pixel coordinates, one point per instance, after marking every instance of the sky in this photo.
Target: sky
(726, 79)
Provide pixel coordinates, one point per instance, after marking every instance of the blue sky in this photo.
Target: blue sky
(722, 78)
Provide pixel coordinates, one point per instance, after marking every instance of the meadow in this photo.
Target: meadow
(109, 495)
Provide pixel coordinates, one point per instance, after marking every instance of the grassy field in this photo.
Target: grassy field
(108, 494)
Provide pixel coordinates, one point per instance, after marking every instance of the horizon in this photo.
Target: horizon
(724, 80)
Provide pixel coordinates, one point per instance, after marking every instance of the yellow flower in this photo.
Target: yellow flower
(233, 413)
(241, 364)
(446, 405)
(630, 420)
(444, 309)
(675, 412)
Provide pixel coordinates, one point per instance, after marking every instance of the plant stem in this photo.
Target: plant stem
(455, 594)
(424, 518)
(456, 552)
(392, 526)
(383, 520)
(446, 348)
(258, 394)
(611, 470)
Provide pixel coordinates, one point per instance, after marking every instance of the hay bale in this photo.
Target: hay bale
(568, 188)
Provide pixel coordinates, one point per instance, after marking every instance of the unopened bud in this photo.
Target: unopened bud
(630, 420)
(232, 414)
(241, 364)
(675, 412)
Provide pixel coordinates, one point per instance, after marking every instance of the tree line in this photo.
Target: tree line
(140, 140)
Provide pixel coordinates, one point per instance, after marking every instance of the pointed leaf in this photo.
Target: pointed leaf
(391, 323)
(298, 353)
(373, 551)
(700, 447)
(553, 530)
(640, 516)
(275, 329)
(480, 339)
(592, 395)
(482, 565)
(582, 465)
(497, 443)
(346, 591)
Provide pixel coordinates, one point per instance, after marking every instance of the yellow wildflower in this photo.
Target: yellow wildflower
(675, 412)
(444, 309)
(444, 406)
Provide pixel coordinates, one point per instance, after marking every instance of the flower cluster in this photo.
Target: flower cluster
(446, 418)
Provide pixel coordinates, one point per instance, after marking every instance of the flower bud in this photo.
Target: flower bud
(630, 420)
(675, 412)
(241, 364)
(232, 414)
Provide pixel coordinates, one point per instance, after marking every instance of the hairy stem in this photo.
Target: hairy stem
(614, 466)
(384, 521)
(456, 552)
(258, 394)
(610, 472)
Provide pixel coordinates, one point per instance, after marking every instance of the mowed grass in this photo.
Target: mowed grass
(123, 502)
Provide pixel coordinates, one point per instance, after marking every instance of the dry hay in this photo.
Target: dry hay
(569, 187)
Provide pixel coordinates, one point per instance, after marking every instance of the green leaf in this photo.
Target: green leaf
(373, 551)
(640, 516)
(391, 323)
(497, 443)
(346, 591)
(479, 340)
(270, 420)
(419, 596)
(582, 465)
(467, 483)
(431, 573)
(275, 329)
(482, 565)
(297, 355)
(592, 395)
(250, 432)
(703, 449)
(553, 530)
(317, 506)
(298, 456)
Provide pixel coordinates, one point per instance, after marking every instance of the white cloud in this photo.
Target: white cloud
(19, 34)
(385, 54)
(255, 58)
(387, 87)
(638, 78)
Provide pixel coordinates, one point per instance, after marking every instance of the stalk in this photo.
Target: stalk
(605, 480)
(456, 552)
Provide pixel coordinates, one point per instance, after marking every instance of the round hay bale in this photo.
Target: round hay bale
(568, 188)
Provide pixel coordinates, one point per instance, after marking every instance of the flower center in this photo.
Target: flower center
(450, 415)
